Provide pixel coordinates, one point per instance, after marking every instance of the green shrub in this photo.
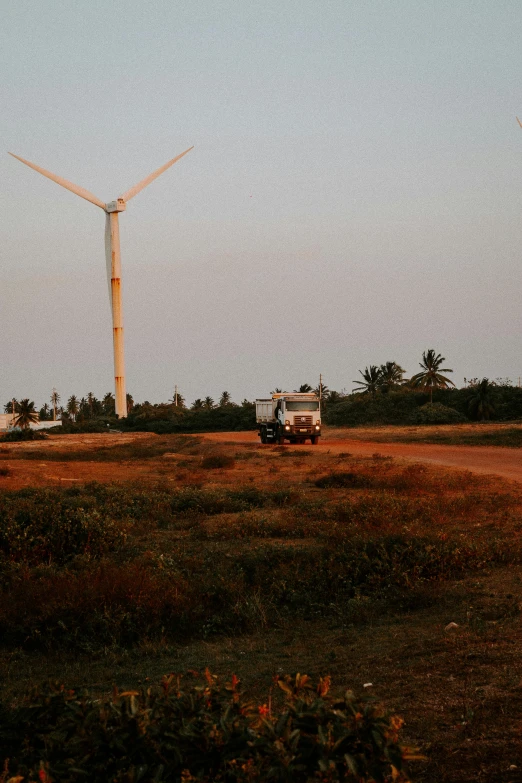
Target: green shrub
(202, 731)
(343, 479)
(22, 435)
(214, 461)
(39, 527)
(436, 413)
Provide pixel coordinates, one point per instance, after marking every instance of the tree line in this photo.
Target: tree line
(388, 379)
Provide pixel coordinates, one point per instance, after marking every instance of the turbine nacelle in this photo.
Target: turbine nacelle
(116, 206)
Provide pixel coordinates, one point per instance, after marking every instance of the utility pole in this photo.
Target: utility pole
(320, 387)
(54, 403)
(14, 411)
(176, 395)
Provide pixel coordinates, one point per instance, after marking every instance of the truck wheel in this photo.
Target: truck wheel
(280, 437)
(263, 435)
(313, 440)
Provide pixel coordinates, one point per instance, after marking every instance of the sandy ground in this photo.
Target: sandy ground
(492, 460)
(478, 459)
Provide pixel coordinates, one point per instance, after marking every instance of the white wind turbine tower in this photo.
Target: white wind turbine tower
(113, 258)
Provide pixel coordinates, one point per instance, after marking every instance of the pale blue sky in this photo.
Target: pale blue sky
(354, 195)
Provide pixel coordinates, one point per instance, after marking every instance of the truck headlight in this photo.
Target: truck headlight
(317, 427)
(287, 426)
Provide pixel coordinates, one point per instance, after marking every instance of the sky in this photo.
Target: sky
(354, 195)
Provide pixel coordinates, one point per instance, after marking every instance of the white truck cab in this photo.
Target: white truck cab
(289, 416)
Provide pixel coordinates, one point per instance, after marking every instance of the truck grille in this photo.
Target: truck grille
(302, 421)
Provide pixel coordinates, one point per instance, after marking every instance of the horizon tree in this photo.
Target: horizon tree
(130, 402)
(45, 412)
(225, 399)
(480, 403)
(391, 376)
(208, 403)
(303, 389)
(322, 391)
(197, 405)
(26, 414)
(109, 404)
(371, 379)
(73, 406)
(55, 399)
(430, 377)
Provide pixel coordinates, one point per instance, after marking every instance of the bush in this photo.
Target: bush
(214, 461)
(21, 435)
(345, 479)
(165, 419)
(42, 527)
(202, 731)
(436, 413)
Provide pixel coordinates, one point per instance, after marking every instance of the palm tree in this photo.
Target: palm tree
(208, 403)
(322, 391)
(8, 407)
(334, 397)
(391, 376)
(25, 414)
(371, 380)
(303, 389)
(225, 399)
(197, 405)
(55, 399)
(130, 401)
(430, 377)
(109, 404)
(73, 406)
(480, 403)
(45, 412)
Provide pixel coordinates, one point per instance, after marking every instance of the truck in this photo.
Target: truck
(289, 416)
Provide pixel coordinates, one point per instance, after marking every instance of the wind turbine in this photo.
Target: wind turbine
(113, 258)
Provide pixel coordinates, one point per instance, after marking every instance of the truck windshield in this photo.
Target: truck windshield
(302, 406)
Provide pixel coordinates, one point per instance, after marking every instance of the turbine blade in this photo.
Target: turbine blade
(63, 182)
(108, 254)
(144, 182)
(520, 123)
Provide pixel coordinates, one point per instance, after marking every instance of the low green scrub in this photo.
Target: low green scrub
(164, 419)
(196, 729)
(402, 407)
(15, 436)
(343, 479)
(436, 413)
(42, 527)
(108, 565)
(216, 461)
(199, 591)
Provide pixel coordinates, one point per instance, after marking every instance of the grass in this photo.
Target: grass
(332, 564)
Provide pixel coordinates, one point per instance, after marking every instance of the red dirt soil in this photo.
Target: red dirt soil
(478, 459)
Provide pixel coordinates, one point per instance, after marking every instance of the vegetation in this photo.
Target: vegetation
(431, 376)
(23, 435)
(95, 566)
(371, 379)
(383, 396)
(26, 414)
(277, 559)
(481, 402)
(197, 729)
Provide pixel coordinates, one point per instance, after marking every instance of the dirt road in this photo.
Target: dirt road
(478, 459)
